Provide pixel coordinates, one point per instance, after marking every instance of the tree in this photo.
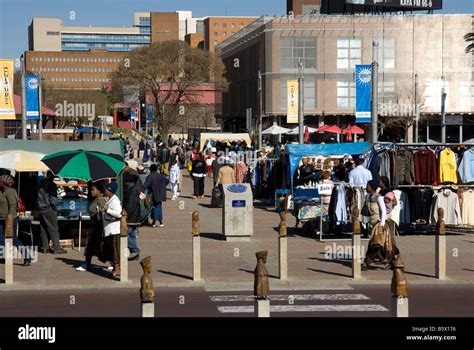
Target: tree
(168, 72)
(400, 112)
(469, 37)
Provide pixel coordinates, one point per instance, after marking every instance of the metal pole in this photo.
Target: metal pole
(417, 109)
(374, 92)
(301, 102)
(260, 109)
(40, 106)
(443, 114)
(23, 100)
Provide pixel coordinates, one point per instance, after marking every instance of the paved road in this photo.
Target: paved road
(360, 301)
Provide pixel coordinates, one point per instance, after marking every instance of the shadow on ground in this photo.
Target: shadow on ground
(186, 277)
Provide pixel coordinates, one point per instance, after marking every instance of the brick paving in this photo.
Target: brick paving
(230, 263)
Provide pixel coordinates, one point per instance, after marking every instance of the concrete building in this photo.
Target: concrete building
(429, 46)
(219, 29)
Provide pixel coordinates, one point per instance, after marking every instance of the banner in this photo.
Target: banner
(149, 113)
(32, 97)
(292, 89)
(7, 108)
(363, 89)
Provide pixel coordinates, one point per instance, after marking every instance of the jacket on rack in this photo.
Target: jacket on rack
(449, 201)
(422, 200)
(447, 166)
(405, 173)
(466, 167)
(425, 167)
(468, 207)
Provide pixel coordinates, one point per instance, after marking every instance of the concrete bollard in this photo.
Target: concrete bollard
(399, 305)
(261, 288)
(196, 231)
(147, 291)
(262, 308)
(283, 248)
(124, 247)
(356, 245)
(9, 250)
(440, 263)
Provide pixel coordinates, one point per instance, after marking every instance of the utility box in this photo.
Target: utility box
(237, 212)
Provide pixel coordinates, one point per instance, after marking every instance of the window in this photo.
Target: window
(386, 90)
(293, 50)
(346, 93)
(216, 33)
(387, 56)
(224, 34)
(233, 25)
(52, 33)
(216, 25)
(309, 92)
(241, 26)
(224, 25)
(349, 53)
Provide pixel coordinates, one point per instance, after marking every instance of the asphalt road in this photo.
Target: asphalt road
(362, 301)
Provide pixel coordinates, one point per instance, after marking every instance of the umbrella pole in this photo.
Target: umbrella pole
(80, 221)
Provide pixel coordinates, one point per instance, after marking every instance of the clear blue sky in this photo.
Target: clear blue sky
(16, 14)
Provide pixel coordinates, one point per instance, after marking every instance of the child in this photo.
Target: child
(390, 201)
(175, 175)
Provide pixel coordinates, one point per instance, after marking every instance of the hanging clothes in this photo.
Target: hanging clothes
(468, 207)
(241, 171)
(447, 167)
(425, 168)
(449, 201)
(405, 173)
(466, 167)
(422, 200)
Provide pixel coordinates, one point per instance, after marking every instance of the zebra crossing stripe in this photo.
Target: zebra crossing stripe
(305, 308)
(301, 297)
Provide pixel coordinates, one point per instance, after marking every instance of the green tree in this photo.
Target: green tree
(469, 37)
(169, 72)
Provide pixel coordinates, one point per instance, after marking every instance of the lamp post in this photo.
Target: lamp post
(260, 109)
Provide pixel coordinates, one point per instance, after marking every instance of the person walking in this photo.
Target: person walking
(9, 205)
(141, 148)
(94, 240)
(164, 158)
(47, 205)
(199, 171)
(175, 175)
(360, 176)
(131, 204)
(226, 174)
(156, 184)
(111, 222)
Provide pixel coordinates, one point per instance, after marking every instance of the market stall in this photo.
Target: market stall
(224, 137)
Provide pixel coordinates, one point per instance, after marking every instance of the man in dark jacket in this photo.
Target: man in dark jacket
(156, 184)
(164, 157)
(131, 203)
(47, 205)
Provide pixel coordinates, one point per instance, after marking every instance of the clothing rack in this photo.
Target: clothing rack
(433, 186)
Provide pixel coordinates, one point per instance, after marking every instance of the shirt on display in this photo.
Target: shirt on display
(447, 166)
(466, 167)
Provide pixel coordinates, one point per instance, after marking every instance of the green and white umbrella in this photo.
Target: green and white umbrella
(84, 165)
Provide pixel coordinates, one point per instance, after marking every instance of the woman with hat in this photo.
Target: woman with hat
(111, 221)
(382, 245)
(9, 205)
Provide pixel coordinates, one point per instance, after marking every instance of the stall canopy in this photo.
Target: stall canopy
(296, 152)
(230, 137)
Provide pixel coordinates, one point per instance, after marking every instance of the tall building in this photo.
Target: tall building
(430, 46)
(219, 29)
(303, 7)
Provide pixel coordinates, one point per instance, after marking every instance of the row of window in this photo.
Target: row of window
(144, 21)
(80, 80)
(76, 59)
(224, 34)
(233, 25)
(106, 38)
(108, 47)
(72, 70)
(349, 53)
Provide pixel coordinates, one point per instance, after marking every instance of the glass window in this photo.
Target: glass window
(386, 90)
(294, 50)
(224, 34)
(233, 25)
(349, 53)
(224, 25)
(216, 25)
(345, 94)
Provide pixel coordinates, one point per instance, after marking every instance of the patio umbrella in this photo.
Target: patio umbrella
(333, 129)
(353, 129)
(275, 130)
(85, 165)
(306, 135)
(296, 131)
(22, 161)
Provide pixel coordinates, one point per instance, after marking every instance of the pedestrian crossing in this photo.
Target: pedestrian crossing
(243, 304)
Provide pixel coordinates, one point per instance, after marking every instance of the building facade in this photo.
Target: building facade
(430, 47)
(219, 29)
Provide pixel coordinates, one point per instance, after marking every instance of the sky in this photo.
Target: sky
(15, 15)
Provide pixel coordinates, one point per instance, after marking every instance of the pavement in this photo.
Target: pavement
(229, 265)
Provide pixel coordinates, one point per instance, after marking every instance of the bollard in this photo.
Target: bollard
(283, 248)
(124, 247)
(261, 288)
(399, 305)
(356, 245)
(196, 231)
(440, 248)
(147, 291)
(9, 250)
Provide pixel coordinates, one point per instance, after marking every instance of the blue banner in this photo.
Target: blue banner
(132, 113)
(363, 89)
(32, 97)
(149, 113)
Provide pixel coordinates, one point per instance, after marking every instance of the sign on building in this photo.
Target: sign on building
(292, 90)
(32, 97)
(363, 87)
(7, 108)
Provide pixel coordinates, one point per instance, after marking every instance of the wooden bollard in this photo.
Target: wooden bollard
(196, 231)
(9, 250)
(147, 291)
(440, 248)
(356, 245)
(124, 247)
(283, 247)
(261, 286)
(399, 289)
